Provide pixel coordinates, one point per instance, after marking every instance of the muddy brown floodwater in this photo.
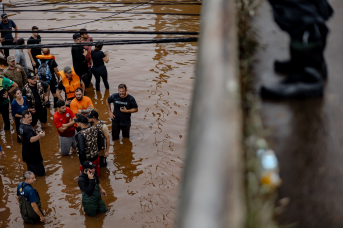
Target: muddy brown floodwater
(142, 178)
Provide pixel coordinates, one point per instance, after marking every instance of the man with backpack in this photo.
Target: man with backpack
(28, 199)
(46, 68)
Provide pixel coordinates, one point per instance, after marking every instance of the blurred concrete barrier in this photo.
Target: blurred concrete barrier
(212, 192)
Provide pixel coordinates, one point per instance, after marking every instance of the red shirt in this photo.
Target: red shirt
(64, 118)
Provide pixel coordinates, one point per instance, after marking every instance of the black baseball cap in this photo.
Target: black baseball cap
(88, 165)
(30, 75)
(3, 15)
(93, 114)
(81, 119)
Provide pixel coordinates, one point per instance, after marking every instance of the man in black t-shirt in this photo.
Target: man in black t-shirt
(31, 148)
(37, 93)
(55, 79)
(33, 52)
(124, 104)
(79, 54)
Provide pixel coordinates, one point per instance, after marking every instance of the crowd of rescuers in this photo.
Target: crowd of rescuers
(78, 124)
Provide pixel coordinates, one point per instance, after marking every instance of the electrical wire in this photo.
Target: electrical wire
(106, 32)
(120, 42)
(98, 3)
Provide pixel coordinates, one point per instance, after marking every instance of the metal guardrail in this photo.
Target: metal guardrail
(212, 192)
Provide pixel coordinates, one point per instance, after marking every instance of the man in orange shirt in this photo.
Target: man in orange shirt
(81, 104)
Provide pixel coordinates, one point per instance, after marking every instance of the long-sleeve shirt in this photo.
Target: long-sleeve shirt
(87, 185)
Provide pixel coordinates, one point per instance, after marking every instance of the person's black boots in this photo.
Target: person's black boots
(309, 55)
(55, 101)
(305, 84)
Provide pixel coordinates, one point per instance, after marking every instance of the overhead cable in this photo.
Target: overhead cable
(116, 42)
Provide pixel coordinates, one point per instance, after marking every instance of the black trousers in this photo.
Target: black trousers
(38, 168)
(98, 72)
(116, 130)
(41, 115)
(5, 115)
(5, 43)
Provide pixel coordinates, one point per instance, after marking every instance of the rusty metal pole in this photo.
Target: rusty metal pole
(212, 189)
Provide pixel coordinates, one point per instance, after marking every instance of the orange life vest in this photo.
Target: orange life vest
(70, 86)
(45, 57)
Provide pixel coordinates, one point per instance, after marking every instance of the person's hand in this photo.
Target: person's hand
(106, 53)
(15, 40)
(90, 175)
(103, 192)
(106, 153)
(68, 102)
(84, 52)
(111, 115)
(42, 219)
(90, 107)
(32, 110)
(33, 63)
(123, 109)
(42, 134)
(1, 154)
(5, 95)
(2, 39)
(46, 99)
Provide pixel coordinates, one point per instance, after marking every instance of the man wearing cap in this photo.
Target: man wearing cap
(88, 141)
(37, 93)
(93, 118)
(6, 37)
(69, 83)
(16, 73)
(79, 54)
(91, 190)
(6, 86)
(64, 122)
(81, 104)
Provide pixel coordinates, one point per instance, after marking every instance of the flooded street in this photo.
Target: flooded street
(143, 175)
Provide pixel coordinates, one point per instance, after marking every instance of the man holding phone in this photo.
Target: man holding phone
(31, 147)
(91, 190)
(124, 104)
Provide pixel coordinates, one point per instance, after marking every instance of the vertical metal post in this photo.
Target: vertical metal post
(212, 188)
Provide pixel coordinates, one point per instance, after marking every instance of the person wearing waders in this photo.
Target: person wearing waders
(28, 199)
(304, 21)
(91, 190)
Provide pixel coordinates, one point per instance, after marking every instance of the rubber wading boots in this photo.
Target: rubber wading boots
(305, 84)
(305, 70)
(303, 55)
